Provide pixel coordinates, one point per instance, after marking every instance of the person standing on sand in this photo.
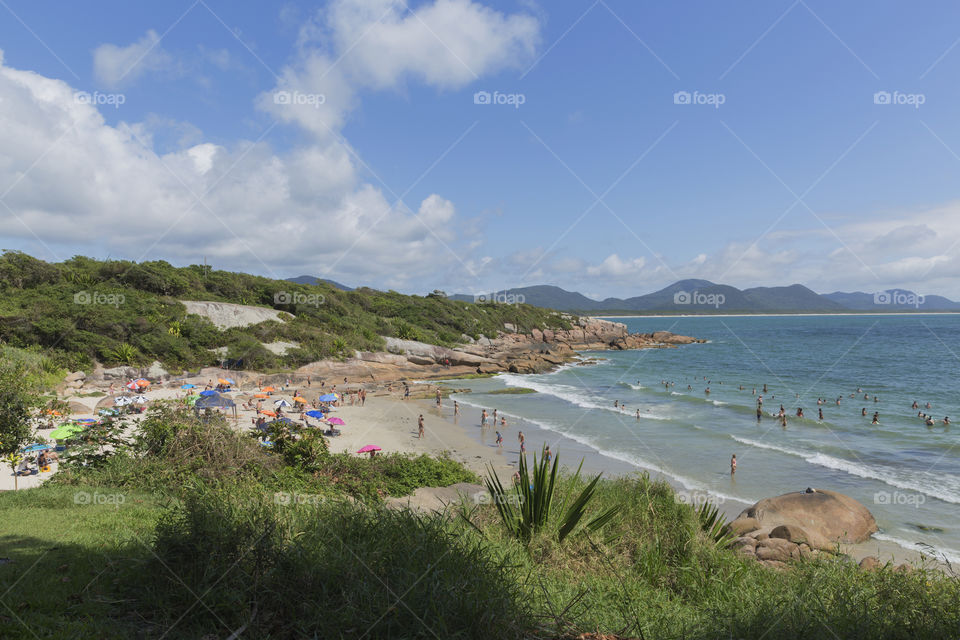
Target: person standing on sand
(522, 439)
(308, 381)
(456, 409)
(406, 391)
(420, 426)
(483, 418)
(499, 440)
(733, 464)
(439, 396)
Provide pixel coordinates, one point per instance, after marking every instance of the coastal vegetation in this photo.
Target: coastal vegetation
(117, 312)
(186, 528)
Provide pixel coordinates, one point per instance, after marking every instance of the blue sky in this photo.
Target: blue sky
(599, 181)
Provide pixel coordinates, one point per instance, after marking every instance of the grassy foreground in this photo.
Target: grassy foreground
(157, 542)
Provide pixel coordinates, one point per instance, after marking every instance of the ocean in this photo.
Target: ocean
(906, 473)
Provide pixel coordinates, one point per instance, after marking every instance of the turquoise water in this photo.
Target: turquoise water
(906, 473)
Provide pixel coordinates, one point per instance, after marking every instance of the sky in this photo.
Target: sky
(610, 147)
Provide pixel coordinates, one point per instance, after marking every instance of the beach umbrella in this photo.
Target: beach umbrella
(328, 397)
(223, 381)
(268, 389)
(337, 421)
(86, 421)
(260, 395)
(369, 448)
(132, 385)
(230, 381)
(65, 431)
(51, 412)
(300, 399)
(123, 401)
(209, 392)
(315, 414)
(140, 399)
(33, 448)
(267, 412)
(142, 382)
(282, 403)
(187, 386)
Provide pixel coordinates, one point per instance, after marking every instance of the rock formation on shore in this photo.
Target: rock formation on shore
(509, 351)
(800, 524)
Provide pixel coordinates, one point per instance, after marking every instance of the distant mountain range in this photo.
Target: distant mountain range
(705, 297)
(311, 280)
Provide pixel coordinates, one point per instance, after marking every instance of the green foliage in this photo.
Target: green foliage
(714, 524)
(122, 312)
(17, 401)
(525, 510)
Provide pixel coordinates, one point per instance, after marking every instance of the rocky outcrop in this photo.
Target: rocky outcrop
(800, 524)
(226, 315)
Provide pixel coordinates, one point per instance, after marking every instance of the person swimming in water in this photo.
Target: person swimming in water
(876, 417)
(863, 411)
(929, 421)
(946, 419)
(915, 405)
(800, 412)
(820, 413)
(759, 413)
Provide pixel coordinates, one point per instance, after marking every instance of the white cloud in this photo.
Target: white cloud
(114, 65)
(615, 267)
(85, 186)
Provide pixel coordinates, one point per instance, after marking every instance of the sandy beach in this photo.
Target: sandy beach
(389, 421)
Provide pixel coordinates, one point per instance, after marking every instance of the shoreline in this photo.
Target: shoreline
(783, 315)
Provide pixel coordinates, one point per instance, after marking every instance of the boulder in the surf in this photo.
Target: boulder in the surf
(820, 518)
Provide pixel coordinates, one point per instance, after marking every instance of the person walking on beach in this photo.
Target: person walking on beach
(523, 442)
(499, 440)
(733, 464)
(456, 409)
(483, 418)
(439, 396)
(420, 427)
(494, 417)
(406, 391)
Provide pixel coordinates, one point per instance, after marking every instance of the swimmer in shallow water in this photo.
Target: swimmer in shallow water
(876, 417)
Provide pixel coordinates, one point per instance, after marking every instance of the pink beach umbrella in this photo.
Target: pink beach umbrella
(369, 448)
(338, 421)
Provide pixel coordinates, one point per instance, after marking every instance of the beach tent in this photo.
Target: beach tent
(281, 403)
(215, 401)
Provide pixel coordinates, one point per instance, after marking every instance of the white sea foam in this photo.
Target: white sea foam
(570, 394)
(937, 552)
(942, 486)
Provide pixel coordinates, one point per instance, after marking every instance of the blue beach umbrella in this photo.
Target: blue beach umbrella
(328, 397)
(315, 414)
(209, 392)
(33, 448)
(187, 386)
(231, 381)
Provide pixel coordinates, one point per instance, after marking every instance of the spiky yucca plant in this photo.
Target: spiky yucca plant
(525, 509)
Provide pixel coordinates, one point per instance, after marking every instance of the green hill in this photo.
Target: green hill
(120, 312)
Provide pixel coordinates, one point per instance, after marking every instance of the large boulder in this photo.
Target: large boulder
(820, 518)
